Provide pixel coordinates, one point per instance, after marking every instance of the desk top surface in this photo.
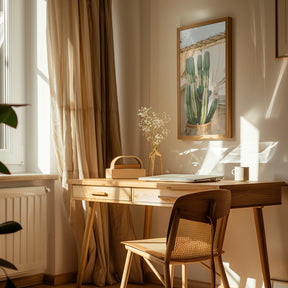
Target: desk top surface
(135, 183)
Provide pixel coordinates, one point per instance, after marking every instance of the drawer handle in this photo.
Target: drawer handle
(167, 199)
(105, 194)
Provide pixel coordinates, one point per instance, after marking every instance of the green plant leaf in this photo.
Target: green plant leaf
(4, 169)
(7, 264)
(212, 110)
(9, 283)
(9, 227)
(8, 115)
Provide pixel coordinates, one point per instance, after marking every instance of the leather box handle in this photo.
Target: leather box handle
(113, 164)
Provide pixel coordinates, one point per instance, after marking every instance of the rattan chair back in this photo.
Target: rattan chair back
(196, 224)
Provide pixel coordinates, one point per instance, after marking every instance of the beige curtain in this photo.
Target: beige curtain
(86, 126)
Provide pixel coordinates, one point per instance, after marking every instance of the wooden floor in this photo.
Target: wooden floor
(73, 285)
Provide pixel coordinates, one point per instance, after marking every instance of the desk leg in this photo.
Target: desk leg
(85, 244)
(260, 229)
(147, 222)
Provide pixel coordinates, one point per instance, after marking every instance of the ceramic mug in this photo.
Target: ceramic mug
(240, 173)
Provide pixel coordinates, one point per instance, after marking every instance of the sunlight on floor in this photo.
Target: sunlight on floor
(250, 283)
(233, 277)
(73, 285)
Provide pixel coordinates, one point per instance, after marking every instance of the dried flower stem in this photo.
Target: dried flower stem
(153, 126)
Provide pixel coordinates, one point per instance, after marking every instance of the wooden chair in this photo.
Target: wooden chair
(195, 234)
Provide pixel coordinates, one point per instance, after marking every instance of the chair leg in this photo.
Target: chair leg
(222, 272)
(212, 278)
(126, 270)
(166, 276)
(171, 274)
(184, 276)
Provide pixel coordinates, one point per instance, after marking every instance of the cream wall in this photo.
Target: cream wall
(145, 47)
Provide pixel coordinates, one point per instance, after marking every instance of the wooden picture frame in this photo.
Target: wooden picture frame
(281, 9)
(204, 79)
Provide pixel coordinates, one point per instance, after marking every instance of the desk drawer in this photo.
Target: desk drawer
(157, 197)
(102, 194)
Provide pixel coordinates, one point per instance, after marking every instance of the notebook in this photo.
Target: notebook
(182, 178)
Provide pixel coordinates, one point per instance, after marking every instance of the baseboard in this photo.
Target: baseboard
(39, 279)
(60, 279)
(26, 281)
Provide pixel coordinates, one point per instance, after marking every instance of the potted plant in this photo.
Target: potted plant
(8, 117)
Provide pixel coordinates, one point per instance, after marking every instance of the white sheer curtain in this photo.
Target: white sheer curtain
(86, 124)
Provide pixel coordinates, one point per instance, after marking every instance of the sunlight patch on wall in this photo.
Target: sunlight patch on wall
(207, 158)
(43, 91)
(279, 79)
(249, 155)
(265, 154)
(190, 154)
(187, 152)
(212, 158)
(250, 152)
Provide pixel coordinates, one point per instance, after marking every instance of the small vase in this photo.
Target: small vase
(155, 168)
(155, 163)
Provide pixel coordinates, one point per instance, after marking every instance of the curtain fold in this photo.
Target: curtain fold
(86, 125)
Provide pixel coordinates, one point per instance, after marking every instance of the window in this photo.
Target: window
(24, 70)
(12, 80)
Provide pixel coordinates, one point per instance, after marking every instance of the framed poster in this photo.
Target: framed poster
(281, 28)
(204, 80)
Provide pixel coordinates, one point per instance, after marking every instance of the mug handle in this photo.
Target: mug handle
(233, 171)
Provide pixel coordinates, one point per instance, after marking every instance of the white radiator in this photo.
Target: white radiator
(26, 249)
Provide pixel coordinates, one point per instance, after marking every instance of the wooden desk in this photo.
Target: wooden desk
(243, 194)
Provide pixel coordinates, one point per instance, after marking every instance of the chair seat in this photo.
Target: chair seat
(153, 246)
(156, 247)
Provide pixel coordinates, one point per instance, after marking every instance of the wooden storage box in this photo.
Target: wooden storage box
(125, 171)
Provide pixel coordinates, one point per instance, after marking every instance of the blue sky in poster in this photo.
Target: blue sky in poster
(196, 34)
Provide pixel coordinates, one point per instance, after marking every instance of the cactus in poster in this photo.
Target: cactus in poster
(197, 91)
